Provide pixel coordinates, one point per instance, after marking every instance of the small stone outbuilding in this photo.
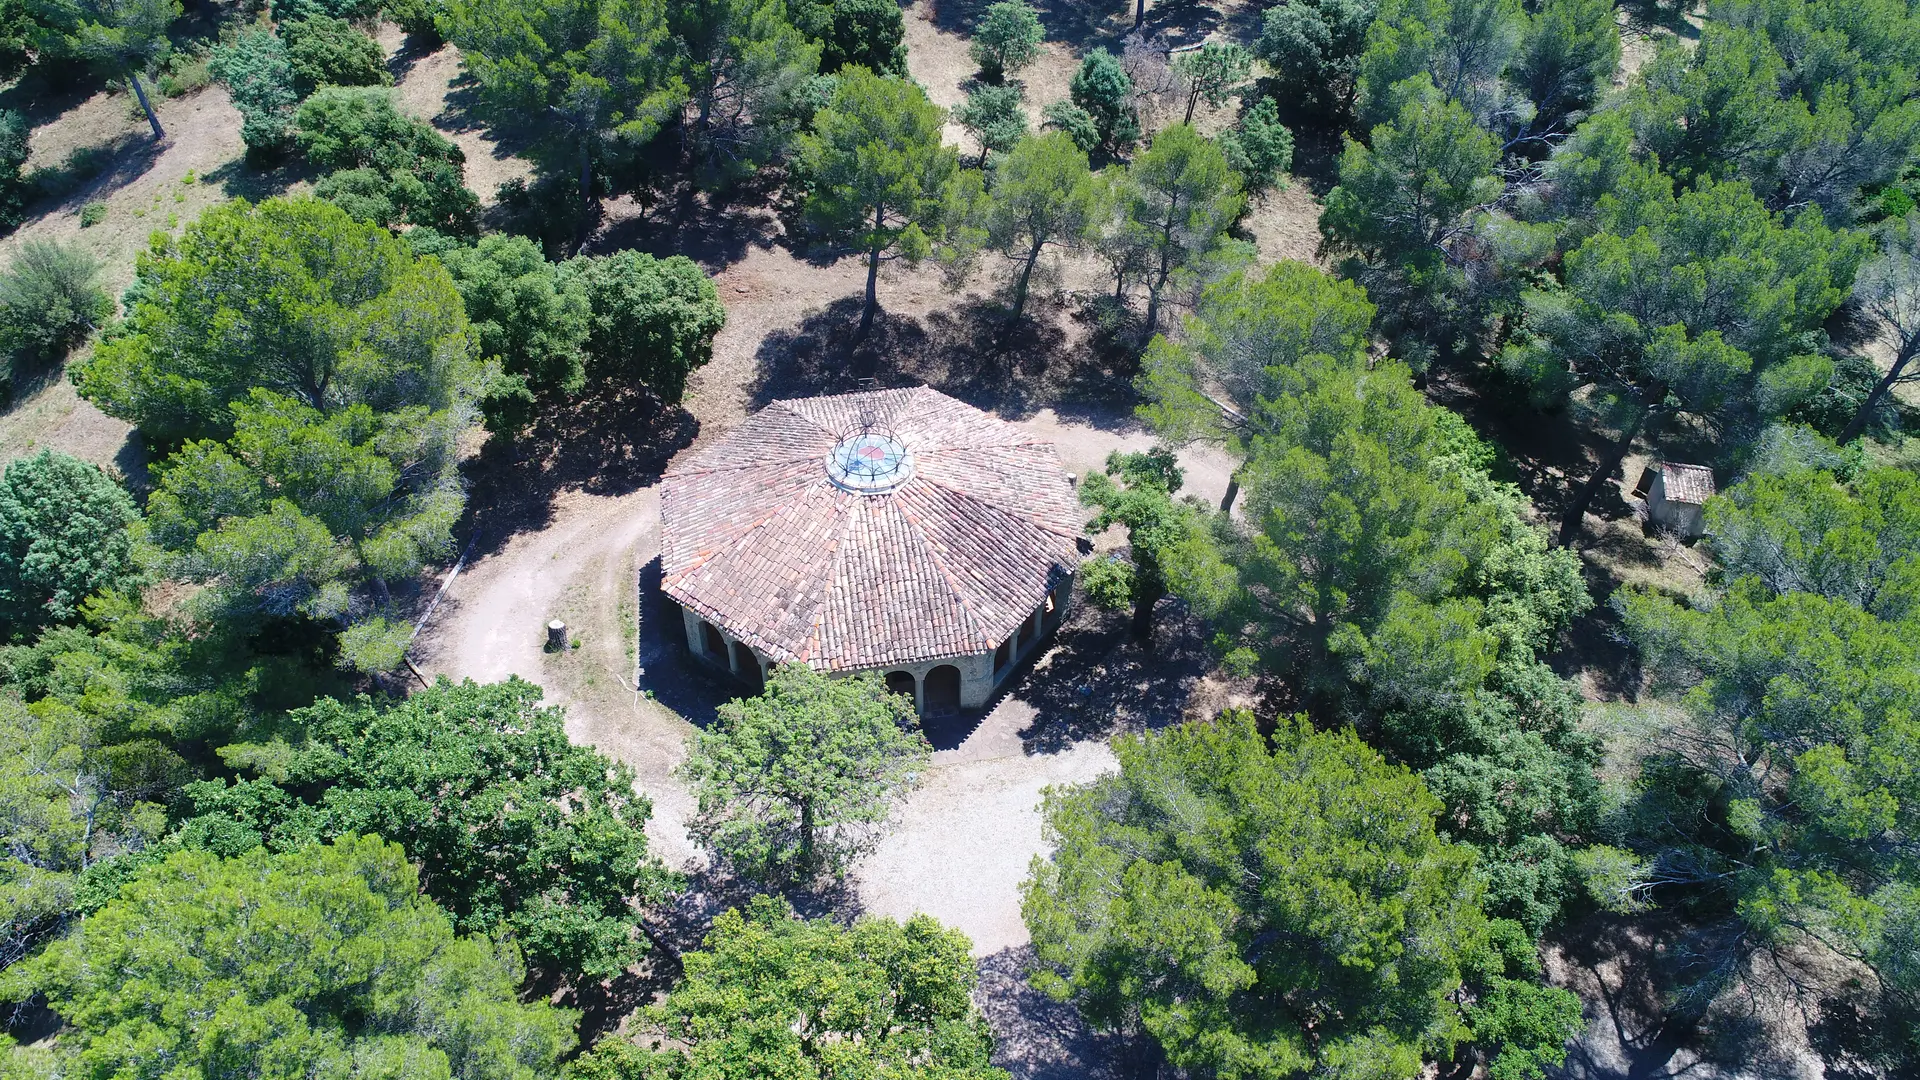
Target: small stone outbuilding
(1677, 496)
(897, 531)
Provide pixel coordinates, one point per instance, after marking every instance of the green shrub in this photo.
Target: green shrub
(63, 537)
(257, 71)
(1260, 148)
(1075, 121)
(994, 116)
(1104, 91)
(93, 214)
(526, 312)
(183, 73)
(349, 10)
(395, 168)
(15, 189)
(419, 18)
(1006, 40)
(50, 300)
(653, 319)
(326, 51)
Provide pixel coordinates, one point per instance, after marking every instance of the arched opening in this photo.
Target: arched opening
(711, 641)
(1003, 654)
(900, 682)
(943, 689)
(1030, 629)
(747, 666)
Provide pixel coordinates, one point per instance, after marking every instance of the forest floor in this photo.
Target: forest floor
(566, 525)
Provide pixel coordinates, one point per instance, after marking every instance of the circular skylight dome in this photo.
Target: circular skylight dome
(869, 463)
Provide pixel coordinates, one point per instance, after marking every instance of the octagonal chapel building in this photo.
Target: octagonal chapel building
(897, 531)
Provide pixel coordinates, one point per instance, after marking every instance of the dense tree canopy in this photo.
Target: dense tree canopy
(257, 71)
(1809, 101)
(1262, 909)
(525, 312)
(1405, 207)
(389, 168)
(855, 33)
(1314, 47)
(292, 296)
(581, 79)
(770, 994)
(794, 783)
(1698, 302)
(322, 960)
(993, 116)
(1381, 568)
(320, 377)
(748, 70)
(1176, 200)
(326, 51)
(511, 824)
(72, 801)
(1783, 800)
(1006, 39)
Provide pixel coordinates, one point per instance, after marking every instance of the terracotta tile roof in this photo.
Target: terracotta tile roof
(1687, 483)
(757, 539)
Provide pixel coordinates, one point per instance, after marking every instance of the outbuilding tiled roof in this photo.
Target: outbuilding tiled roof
(1686, 483)
(758, 539)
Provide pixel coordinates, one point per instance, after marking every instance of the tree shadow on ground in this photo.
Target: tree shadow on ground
(1079, 24)
(1034, 1036)
(1648, 16)
(1549, 461)
(1596, 645)
(92, 173)
(1610, 962)
(968, 352)
(1184, 22)
(714, 230)
(607, 441)
(240, 179)
(41, 101)
(412, 50)
(1097, 680)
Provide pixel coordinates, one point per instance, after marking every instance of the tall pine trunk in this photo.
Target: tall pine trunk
(1860, 417)
(1576, 515)
(873, 279)
(140, 92)
(1020, 287)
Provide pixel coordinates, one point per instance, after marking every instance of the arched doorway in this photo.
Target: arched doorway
(747, 666)
(900, 682)
(943, 689)
(712, 642)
